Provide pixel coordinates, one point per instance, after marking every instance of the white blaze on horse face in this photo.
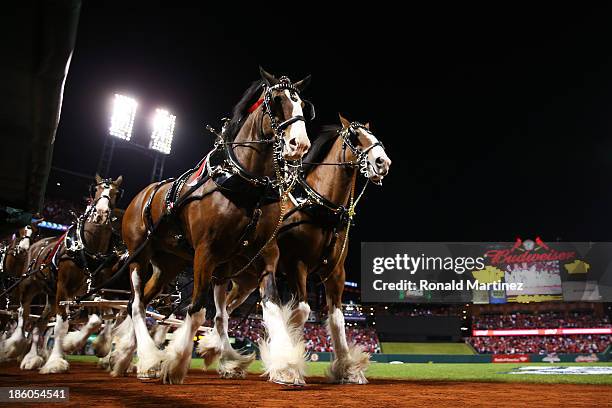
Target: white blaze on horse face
(24, 243)
(296, 138)
(103, 204)
(377, 157)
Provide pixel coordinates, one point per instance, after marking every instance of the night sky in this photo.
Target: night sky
(498, 121)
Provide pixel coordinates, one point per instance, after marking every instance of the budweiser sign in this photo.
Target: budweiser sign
(528, 251)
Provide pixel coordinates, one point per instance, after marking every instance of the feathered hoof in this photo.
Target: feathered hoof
(236, 374)
(104, 362)
(55, 366)
(208, 354)
(173, 371)
(150, 374)
(118, 364)
(350, 369)
(289, 377)
(31, 362)
(234, 365)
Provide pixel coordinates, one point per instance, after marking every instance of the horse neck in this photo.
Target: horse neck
(334, 182)
(97, 237)
(256, 158)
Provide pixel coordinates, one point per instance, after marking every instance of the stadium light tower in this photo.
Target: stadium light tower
(163, 131)
(122, 119)
(161, 140)
(121, 127)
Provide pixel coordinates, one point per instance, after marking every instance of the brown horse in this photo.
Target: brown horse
(313, 239)
(224, 223)
(14, 256)
(13, 262)
(64, 267)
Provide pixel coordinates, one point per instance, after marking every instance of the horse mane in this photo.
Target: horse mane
(320, 147)
(240, 110)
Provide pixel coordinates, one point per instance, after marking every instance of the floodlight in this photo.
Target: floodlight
(122, 120)
(163, 131)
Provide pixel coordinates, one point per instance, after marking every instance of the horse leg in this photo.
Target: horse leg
(14, 346)
(124, 337)
(178, 353)
(215, 344)
(56, 362)
(102, 343)
(33, 360)
(149, 356)
(302, 310)
(242, 287)
(120, 358)
(350, 361)
(282, 352)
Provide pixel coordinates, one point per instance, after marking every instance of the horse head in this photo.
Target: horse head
(367, 148)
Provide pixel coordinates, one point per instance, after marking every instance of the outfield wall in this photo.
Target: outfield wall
(465, 359)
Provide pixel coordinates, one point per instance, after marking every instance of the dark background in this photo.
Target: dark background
(497, 119)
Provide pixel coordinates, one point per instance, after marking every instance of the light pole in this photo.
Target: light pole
(120, 130)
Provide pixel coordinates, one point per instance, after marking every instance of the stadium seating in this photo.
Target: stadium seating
(540, 344)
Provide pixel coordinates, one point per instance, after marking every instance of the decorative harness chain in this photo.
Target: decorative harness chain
(285, 179)
(74, 246)
(361, 162)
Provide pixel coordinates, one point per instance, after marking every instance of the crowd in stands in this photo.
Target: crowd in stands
(543, 320)
(59, 211)
(425, 310)
(540, 344)
(316, 337)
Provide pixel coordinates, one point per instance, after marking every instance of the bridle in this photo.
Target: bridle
(76, 244)
(79, 244)
(91, 208)
(349, 134)
(286, 171)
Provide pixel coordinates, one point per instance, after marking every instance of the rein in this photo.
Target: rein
(360, 154)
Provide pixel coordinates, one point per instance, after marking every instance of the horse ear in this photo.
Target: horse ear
(267, 77)
(367, 125)
(98, 179)
(118, 181)
(303, 84)
(345, 122)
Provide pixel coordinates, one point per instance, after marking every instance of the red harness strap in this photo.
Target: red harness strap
(196, 176)
(51, 254)
(255, 106)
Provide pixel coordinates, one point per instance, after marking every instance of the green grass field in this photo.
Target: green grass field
(444, 372)
(426, 348)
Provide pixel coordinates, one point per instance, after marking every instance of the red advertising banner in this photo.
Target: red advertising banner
(541, 332)
(510, 358)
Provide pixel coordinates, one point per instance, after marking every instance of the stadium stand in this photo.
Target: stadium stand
(540, 344)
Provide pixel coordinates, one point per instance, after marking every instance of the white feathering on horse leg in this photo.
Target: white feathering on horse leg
(56, 363)
(283, 350)
(233, 364)
(102, 344)
(15, 345)
(125, 344)
(178, 353)
(160, 333)
(350, 361)
(32, 360)
(76, 340)
(149, 356)
(210, 347)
